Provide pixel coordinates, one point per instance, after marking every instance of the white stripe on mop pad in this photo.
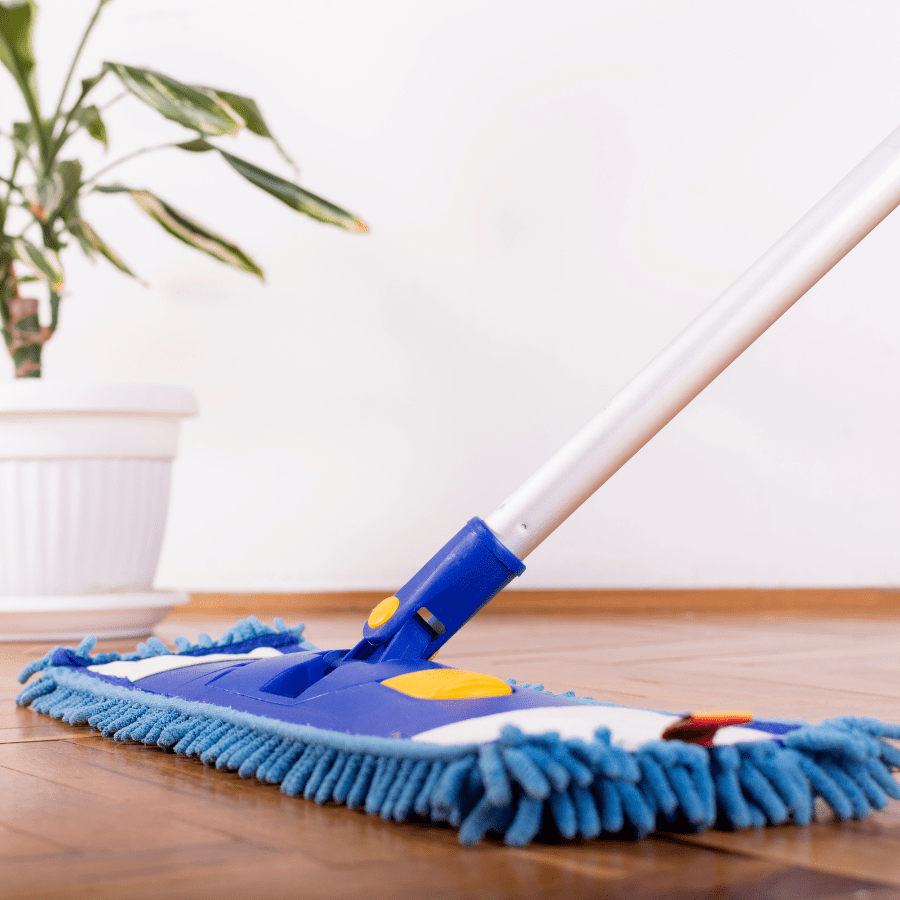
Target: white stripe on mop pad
(136, 669)
(630, 728)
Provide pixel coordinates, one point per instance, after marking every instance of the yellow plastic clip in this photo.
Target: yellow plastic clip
(383, 612)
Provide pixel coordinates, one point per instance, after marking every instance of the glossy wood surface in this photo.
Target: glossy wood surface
(84, 816)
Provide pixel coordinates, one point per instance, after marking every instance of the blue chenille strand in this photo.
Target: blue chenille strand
(281, 746)
(324, 761)
(732, 808)
(325, 791)
(483, 818)
(828, 738)
(126, 720)
(757, 816)
(890, 755)
(562, 808)
(637, 812)
(109, 715)
(445, 797)
(232, 758)
(37, 665)
(612, 814)
(360, 786)
(348, 776)
(56, 704)
(557, 774)
(207, 738)
(81, 710)
(782, 769)
(477, 823)
(121, 716)
(869, 786)
(139, 728)
(40, 688)
(497, 787)
(625, 764)
(414, 782)
(200, 739)
(586, 811)
(526, 822)
(654, 780)
(841, 776)
(472, 789)
(277, 770)
(882, 776)
(706, 789)
(578, 771)
(297, 776)
(202, 726)
(175, 730)
(526, 772)
(423, 802)
(266, 744)
(381, 783)
(596, 755)
(690, 804)
(386, 810)
(84, 713)
(825, 787)
(231, 735)
(757, 787)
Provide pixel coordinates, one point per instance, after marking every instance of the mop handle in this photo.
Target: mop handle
(702, 351)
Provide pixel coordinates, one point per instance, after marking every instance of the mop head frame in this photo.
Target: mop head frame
(515, 782)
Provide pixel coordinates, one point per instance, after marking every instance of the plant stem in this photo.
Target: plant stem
(115, 99)
(11, 182)
(84, 38)
(125, 158)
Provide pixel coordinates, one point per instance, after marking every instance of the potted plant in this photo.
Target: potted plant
(84, 470)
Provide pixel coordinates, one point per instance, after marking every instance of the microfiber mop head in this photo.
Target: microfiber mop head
(414, 739)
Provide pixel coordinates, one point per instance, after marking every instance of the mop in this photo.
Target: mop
(384, 727)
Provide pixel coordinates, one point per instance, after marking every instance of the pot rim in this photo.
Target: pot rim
(35, 395)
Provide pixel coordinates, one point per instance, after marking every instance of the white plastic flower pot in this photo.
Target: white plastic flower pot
(84, 492)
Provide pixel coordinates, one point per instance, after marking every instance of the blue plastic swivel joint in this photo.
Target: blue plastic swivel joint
(440, 598)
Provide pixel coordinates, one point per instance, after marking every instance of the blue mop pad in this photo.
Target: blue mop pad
(412, 739)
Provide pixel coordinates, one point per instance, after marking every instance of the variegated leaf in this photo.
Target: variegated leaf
(89, 118)
(294, 195)
(16, 45)
(248, 110)
(87, 236)
(177, 101)
(186, 229)
(44, 262)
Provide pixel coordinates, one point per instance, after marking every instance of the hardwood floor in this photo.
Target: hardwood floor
(84, 816)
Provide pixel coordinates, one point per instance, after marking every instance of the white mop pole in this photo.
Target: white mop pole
(712, 342)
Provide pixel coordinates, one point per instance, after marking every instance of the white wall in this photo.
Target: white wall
(554, 190)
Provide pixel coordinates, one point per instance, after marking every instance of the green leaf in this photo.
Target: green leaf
(44, 262)
(198, 145)
(87, 236)
(177, 101)
(88, 84)
(44, 196)
(23, 136)
(16, 44)
(247, 109)
(186, 229)
(89, 118)
(294, 195)
(70, 172)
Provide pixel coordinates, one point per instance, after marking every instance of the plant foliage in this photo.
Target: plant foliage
(40, 197)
